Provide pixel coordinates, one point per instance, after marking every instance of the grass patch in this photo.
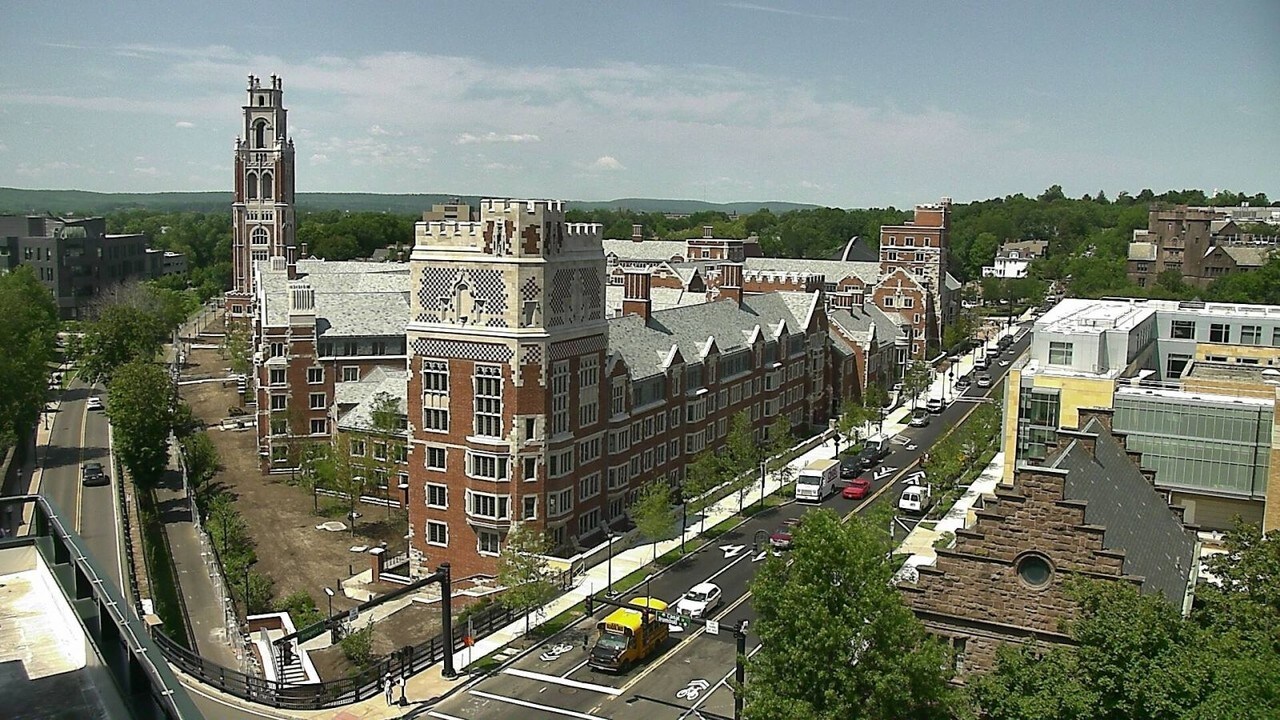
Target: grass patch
(930, 524)
(164, 581)
(944, 540)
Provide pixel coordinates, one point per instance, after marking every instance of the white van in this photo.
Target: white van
(915, 499)
(817, 481)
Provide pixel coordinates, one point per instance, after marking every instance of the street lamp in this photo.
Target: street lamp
(684, 514)
(608, 531)
(333, 632)
(763, 467)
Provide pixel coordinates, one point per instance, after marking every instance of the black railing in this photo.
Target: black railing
(318, 696)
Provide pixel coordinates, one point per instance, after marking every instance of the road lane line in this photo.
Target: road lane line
(442, 716)
(575, 668)
(723, 681)
(684, 641)
(557, 680)
(536, 706)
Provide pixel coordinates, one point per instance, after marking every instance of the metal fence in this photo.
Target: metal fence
(317, 696)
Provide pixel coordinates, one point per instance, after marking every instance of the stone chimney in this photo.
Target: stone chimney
(731, 281)
(708, 231)
(635, 292)
(302, 303)
(637, 232)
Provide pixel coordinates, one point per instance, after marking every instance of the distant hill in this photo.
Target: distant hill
(82, 202)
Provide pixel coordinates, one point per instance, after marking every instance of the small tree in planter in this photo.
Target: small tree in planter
(522, 569)
(653, 514)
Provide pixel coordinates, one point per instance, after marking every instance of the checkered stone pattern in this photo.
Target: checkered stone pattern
(530, 354)
(530, 291)
(489, 286)
(561, 296)
(593, 303)
(581, 346)
(437, 283)
(480, 352)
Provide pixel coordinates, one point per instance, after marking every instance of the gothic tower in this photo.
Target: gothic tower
(507, 339)
(262, 208)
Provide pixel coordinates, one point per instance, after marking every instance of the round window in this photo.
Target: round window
(1035, 570)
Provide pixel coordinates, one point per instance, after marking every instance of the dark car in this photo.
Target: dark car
(872, 454)
(850, 467)
(92, 475)
(781, 538)
(856, 490)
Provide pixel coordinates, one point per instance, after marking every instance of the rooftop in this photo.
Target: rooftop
(834, 270)
(364, 393)
(1237, 372)
(1077, 316)
(353, 298)
(645, 250)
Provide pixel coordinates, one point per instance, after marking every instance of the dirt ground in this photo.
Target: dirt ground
(280, 516)
(410, 626)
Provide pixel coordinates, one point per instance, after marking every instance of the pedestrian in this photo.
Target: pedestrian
(386, 684)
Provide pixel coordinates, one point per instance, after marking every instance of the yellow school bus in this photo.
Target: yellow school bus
(629, 635)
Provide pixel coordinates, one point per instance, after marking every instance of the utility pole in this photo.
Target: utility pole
(740, 670)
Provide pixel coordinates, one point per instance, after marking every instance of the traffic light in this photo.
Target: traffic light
(590, 604)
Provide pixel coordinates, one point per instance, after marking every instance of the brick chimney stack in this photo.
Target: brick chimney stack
(708, 231)
(635, 293)
(637, 232)
(731, 281)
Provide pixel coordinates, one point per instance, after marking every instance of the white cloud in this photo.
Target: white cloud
(497, 166)
(184, 124)
(780, 11)
(150, 171)
(809, 185)
(493, 137)
(607, 162)
(319, 159)
(377, 130)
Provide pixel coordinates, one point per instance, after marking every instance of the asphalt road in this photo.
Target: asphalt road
(691, 677)
(79, 436)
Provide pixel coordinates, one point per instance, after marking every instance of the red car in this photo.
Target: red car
(857, 489)
(781, 538)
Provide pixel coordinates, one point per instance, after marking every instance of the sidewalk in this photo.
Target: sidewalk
(919, 542)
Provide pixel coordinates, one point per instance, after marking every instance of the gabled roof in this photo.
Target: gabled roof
(1248, 256)
(353, 299)
(652, 250)
(1136, 519)
(363, 394)
(692, 330)
(857, 250)
(834, 270)
(866, 323)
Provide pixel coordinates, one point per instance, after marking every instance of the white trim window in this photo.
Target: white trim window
(529, 507)
(437, 496)
(488, 542)
(436, 458)
(488, 506)
(560, 502)
(588, 391)
(560, 398)
(589, 486)
(435, 377)
(487, 400)
(435, 419)
(588, 522)
(319, 426)
(560, 463)
(350, 373)
(437, 533)
(318, 401)
(482, 466)
(315, 375)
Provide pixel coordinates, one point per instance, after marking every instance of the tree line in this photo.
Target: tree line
(28, 333)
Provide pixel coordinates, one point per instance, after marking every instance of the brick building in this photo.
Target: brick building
(528, 403)
(262, 212)
(1089, 512)
(1202, 244)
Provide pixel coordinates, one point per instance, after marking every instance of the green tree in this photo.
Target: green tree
(390, 429)
(120, 335)
(522, 570)
(854, 417)
(837, 641)
(347, 471)
(301, 608)
(235, 347)
(705, 473)
(202, 458)
(653, 514)
(140, 407)
(28, 331)
(916, 380)
(743, 454)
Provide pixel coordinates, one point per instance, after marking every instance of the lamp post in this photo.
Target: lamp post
(333, 632)
(684, 514)
(608, 531)
(763, 468)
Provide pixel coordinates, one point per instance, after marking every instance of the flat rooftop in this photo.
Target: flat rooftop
(45, 670)
(1187, 396)
(1235, 372)
(1076, 316)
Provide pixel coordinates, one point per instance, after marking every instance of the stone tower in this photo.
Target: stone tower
(262, 208)
(507, 340)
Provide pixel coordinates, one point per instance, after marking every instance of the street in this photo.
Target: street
(691, 676)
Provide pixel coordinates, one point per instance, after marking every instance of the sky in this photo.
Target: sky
(847, 104)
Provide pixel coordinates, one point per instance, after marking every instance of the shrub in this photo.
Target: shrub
(358, 647)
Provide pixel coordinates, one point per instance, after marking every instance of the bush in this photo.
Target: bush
(358, 647)
(301, 607)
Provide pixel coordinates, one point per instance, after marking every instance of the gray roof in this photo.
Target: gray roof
(646, 249)
(645, 346)
(1248, 256)
(1136, 519)
(361, 395)
(858, 250)
(860, 322)
(952, 283)
(660, 298)
(353, 299)
(834, 270)
(1142, 251)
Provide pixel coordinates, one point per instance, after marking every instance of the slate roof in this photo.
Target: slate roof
(859, 323)
(1247, 256)
(353, 299)
(857, 250)
(834, 270)
(660, 298)
(1142, 251)
(360, 395)
(1136, 518)
(646, 346)
(645, 250)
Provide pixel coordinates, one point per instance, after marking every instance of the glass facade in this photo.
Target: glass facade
(1038, 412)
(1197, 444)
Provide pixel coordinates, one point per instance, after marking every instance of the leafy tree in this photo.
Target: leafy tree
(301, 607)
(854, 417)
(346, 471)
(522, 569)
(837, 641)
(120, 335)
(235, 347)
(202, 458)
(390, 426)
(1247, 594)
(701, 476)
(653, 514)
(28, 331)
(743, 455)
(916, 380)
(140, 407)
(358, 647)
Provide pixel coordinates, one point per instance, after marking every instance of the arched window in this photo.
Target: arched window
(259, 236)
(260, 134)
(251, 186)
(266, 186)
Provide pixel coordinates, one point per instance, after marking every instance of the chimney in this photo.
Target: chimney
(303, 254)
(707, 231)
(637, 232)
(731, 281)
(635, 293)
(302, 303)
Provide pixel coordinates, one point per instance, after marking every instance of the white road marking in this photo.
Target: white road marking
(575, 668)
(557, 680)
(442, 716)
(84, 424)
(732, 550)
(761, 556)
(723, 681)
(536, 706)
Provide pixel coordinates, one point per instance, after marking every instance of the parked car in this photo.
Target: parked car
(91, 473)
(963, 382)
(919, 418)
(94, 403)
(700, 600)
(874, 450)
(984, 381)
(849, 467)
(915, 499)
(857, 489)
(934, 405)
